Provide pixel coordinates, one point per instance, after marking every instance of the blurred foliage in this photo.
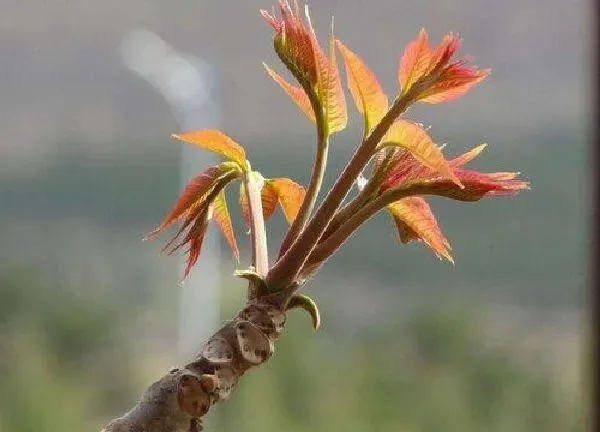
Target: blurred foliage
(66, 365)
(62, 359)
(431, 372)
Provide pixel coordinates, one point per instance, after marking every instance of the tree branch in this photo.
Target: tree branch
(179, 400)
(288, 267)
(363, 196)
(335, 240)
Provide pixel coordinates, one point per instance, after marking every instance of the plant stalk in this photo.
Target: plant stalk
(337, 238)
(316, 177)
(363, 196)
(285, 271)
(260, 256)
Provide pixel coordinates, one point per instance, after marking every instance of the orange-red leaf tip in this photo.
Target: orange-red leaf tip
(271, 20)
(290, 196)
(297, 94)
(369, 98)
(447, 80)
(217, 142)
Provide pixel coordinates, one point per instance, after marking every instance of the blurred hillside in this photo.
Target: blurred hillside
(62, 76)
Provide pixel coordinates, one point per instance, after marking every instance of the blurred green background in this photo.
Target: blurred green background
(89, 314)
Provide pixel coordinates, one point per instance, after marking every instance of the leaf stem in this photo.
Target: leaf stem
(363, 196)
(289, 265)
(337, 238)
(316, 180)
(253, 183)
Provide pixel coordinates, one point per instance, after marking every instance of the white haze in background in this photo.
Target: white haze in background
(189, 86)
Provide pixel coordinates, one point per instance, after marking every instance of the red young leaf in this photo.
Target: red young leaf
(467, 157)
(194, 194)
(456, 80)
(297, 94)
(194, 238)
(415, 62)
(442, 54)
(415, 221)
(368, 95)
(504, 175)
(330, 89)
(290, 195)
(269, 198)
(294, 42)
(223, 220)
(446, 81)
(415, 139)
(194, 209)
(217, 142)
(244, 206)
(406, 171)
(477, 185)
(298, 48)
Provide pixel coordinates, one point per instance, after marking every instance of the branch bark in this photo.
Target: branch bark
(179, 400)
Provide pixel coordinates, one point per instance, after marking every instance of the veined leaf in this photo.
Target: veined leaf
(217, 142)
(368, 95)
(476, 185)
(193, 238)
(294, 42)
(442, 53)
(415, 221)
(329, 88)
(244, 205)
(415, 139)
(290, 195)
(297, 94)
(456, 80)
(446, 81)
(415, 61)
(194, 194)
(195, 208)
(269, 198)
(504, 175)
(223, 220)
(467, 157)
(298, 48)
